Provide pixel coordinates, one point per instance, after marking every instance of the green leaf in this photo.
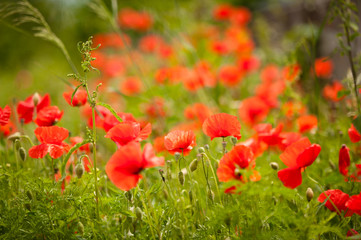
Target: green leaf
(357, 123)
(343, 93)
(107, 106)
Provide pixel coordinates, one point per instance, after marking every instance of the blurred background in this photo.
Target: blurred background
(30, 64)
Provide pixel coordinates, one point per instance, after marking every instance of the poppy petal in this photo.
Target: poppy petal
(290, 177)
(308, 156)
(55, 151)
(290, 155)
(39, 151)
(344, 160)
(5, 115)
(149, 158)
(145, 132)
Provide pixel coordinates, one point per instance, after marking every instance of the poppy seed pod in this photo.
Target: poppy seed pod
(274, 166)
(181, 177)
(309, 194)
(161, 172)
(206, 147)
(177, 155)
(17, 145)
(193, 166)
(22, 153)
(79, 170)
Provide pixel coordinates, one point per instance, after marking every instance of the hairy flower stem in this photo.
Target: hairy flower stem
(17, 168)
(214, 176)
(205, 174)
(95, 162)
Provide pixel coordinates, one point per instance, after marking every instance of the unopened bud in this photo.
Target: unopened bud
(234, 140)
(309, 194)
(17, 145)
(190, 195)
(181, 177)
(22, 153)
(27, 206)
(177, 155)
(193, 166)
(206, 147)
(138, 213)
(79, 170)
(161, 172)
(15, 136)
(80, 228)
(36, 99)
(201, 150)
(274, 166)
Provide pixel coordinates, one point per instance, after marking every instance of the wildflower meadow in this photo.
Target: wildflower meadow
(180, 119)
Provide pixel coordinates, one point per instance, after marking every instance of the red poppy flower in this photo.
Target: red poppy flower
(323, 68)
(354, 204)
(270, 74)
(330, 91)
(271, 136)
(48, 116)
(204, 73)
(248, 64)
(124, 167)
(7, 129)
(220, 47)
(5, 115)
(131, 86)
(338, 199)
(51, 139)
(222, 12)
(100, 114)
(111, 40)
(240, 16)
(230, 75)
(344, 160)
(306, 123)
(162, 75)
(352, 232)
(25, 108)
(158, 144)
(126, 132)
(222, 125)
(354, 135)
(114, 66)
(197, 111)
(76, 140)
(110, 121)
(139, 21)
(291, 72)
(240, 157)
(180, 141)
(253, 110)
(293, 108)
(80, 98)
(257, 147)
(297, 156)
(288, 138)
(155, 108)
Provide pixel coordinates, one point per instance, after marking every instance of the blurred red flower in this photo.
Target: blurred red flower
(338, 199)
(48, 116)
(26, 108)
(354, 135)
(230, 75)
(5, 115)
(79, 99)
(354, 204)
(51, 139)
(344, 160)
(222, 125)
(253, 110)
(222, 12)
(110, 120)
(180, 141)
(131, 86)
(126, 132)
(132, 19)
(323, 67)
(124, 167)
(306, 123)
(330, 91)
(291, 72)
(296, 157)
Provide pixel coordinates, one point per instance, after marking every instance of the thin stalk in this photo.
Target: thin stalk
(95, 162)
(215, 178)
(17, 168)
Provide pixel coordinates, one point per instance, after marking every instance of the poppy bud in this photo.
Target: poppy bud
(201, 150)
(22, 153)
(211, 195)
(181, 177)
(234, 140)
(224, 144)
(138, 213)
(15, 136)
(193, 166)
(177, 155)
(161, 172)
(36, 99)
(29, 194)
(79, 170)
(309, 194)
(128, 195)
(190, 195)
(206, 147)
(80, 228)
(274, 166)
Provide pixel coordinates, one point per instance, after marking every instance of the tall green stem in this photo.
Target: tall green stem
(95, 161)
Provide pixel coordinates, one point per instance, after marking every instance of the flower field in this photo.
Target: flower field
(179, 120)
